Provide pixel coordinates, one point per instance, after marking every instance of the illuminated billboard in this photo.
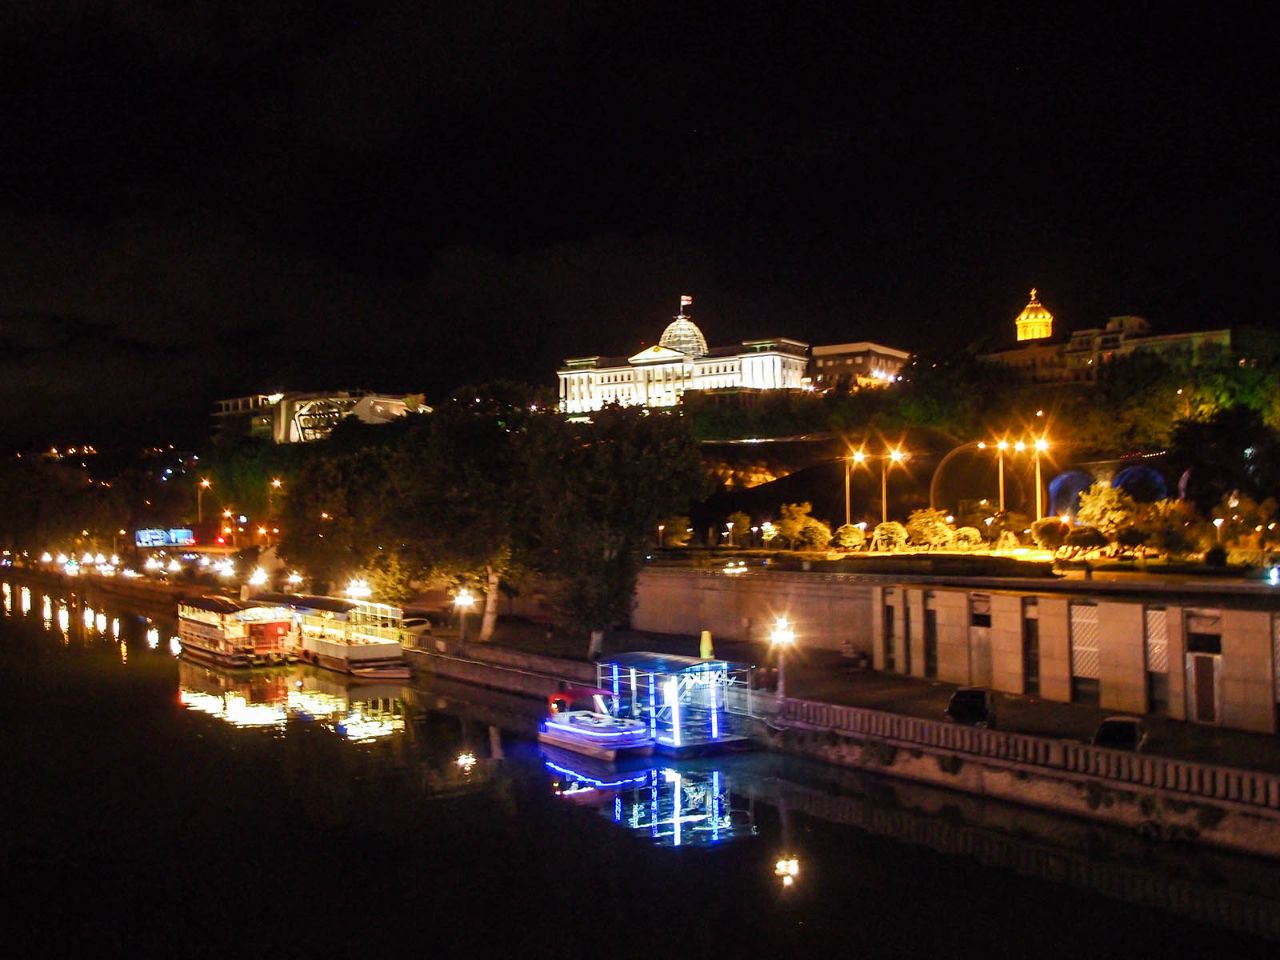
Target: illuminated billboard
(156, 537)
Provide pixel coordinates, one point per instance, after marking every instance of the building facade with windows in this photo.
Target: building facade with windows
(681, 361)
(302, 417)
(844, 367)
(1039, 357)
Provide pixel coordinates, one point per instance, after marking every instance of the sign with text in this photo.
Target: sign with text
(156, 537)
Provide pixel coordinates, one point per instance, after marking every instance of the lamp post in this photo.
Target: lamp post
(201, 487)
(275, 484)
(661, 527)
(895, 456)
(1041, 445)
(781, 638)
(859, 458)
(462, 602)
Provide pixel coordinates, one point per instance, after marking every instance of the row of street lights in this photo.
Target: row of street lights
(207, 484)
(896, 455)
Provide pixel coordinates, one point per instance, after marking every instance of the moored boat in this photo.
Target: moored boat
(581, 721)
(233, 633)
(355, 637)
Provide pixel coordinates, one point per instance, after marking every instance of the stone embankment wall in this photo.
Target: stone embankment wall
(1159, 798)
(831, 611)
(499, 667)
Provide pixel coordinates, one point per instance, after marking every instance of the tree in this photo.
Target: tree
(1085, 539)
(1107, 509)
(1049, 533)
(800, 530)
(676, 531)
(850, 537)
(594, 492)
(453, 504)
(1130, 538)
(739, 525)
(929, 528)
(889, 536)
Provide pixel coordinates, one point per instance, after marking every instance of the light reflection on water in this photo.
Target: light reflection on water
(270, 698)
(441, 777)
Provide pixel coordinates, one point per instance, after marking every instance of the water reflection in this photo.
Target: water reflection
(360, 713)
(671, 805)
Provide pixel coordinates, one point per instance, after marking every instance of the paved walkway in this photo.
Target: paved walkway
(828, 677)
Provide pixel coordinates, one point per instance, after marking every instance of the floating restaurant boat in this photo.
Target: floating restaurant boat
(234, 633)
(582, 721)
(355, 637)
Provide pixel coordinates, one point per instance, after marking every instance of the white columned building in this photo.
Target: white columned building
(658, 376)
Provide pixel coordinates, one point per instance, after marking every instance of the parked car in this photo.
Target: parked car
(418, 626)
(972, 706)
(1121, 733)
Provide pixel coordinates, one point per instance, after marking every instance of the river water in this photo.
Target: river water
(151, 805)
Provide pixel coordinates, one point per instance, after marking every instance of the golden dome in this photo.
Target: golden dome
(1034, 322)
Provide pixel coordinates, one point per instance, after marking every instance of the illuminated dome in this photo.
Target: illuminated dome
(1034, 322)
(683, 334)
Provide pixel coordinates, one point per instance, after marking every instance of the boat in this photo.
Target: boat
(234, 633)
(357, 637)
(581, 721)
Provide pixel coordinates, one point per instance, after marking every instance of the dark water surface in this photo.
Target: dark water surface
(155, 806)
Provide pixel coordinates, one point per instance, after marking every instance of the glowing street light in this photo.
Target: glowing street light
(782, 637)
(358, 589)
(463, 601)
(895, 456)
(275, 484)
(1041, 445)
(201, 487)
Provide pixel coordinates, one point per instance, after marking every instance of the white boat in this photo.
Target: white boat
(355, 637)
(581, 721)
(233, 633)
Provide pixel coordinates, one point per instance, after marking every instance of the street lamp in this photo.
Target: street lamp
(859, 458)
(787, 869)
(782, 638)
(1218, 522)
(895, 456)
(276, 484)
(463, 601)
(1041, 446)
(201, 487)
(661, 527)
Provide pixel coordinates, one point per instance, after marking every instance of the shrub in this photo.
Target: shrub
(1049, 533)
(889, 536)
(1215, 556)
(1084, 539)
(929, 528)
(967, 538)
(849, 537)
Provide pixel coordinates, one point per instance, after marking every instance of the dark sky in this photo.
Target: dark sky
(413, 196)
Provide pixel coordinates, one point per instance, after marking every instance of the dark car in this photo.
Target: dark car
(1121, 733)
(972, 706)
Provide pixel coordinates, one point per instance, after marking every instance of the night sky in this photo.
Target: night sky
(409, 197)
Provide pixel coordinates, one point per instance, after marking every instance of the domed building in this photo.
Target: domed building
(680, 361)
(1034, 322)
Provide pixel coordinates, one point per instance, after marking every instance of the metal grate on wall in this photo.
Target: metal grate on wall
(1157, 641)
(1084, 641)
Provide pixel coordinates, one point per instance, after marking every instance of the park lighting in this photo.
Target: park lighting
(782, 637)
(1041, 446)
(895, 456)
(1218, 522)
(463, 601)
(1065, 518)
(358, 589)
(1019, 446)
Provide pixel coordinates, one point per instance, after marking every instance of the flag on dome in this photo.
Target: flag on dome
(686, 300)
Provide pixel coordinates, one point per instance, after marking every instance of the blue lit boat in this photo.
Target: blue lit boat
(581, 721)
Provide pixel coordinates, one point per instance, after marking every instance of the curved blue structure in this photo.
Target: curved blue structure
(1145, 484)
(1065, 490)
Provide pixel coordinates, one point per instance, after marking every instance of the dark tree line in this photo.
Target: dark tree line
(492, 488)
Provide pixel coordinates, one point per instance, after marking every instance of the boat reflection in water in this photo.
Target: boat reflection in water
(685, 804)
(271, 698)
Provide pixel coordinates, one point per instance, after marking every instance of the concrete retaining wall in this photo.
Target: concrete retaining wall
(829, 611)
